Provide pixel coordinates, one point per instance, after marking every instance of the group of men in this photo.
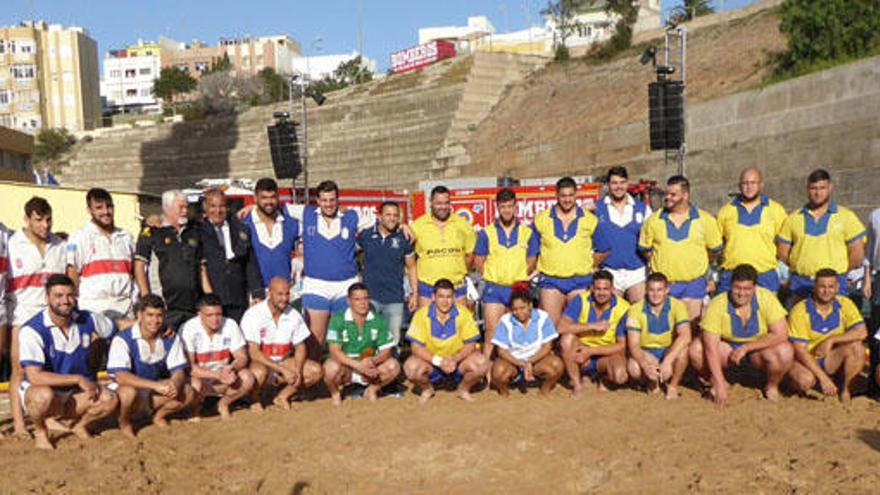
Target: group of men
(623, 294)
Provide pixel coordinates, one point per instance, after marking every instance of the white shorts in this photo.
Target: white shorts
(624, 279)
(326, 295)
(22, 313)
(114, 310)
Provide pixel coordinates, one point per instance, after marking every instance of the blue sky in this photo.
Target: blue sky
(387, 25)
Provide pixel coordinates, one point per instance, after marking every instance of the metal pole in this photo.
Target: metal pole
(682, 37)
(290, 83)
(305, 148)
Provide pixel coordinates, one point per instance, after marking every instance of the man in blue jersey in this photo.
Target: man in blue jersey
(274, 233)
(620, 220)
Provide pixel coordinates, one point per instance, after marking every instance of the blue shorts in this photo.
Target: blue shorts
(591, 366)
(768, 280)
(695, 289)
(326, 295)
(658, 353)
(565, 285)
(747, 359)
(426, 290)
(821, 362)
(496, 294)
(438, 376)
(803, 285)
(320, 303)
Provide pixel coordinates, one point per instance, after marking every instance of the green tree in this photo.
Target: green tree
(627, 12)
(562, 13)
(223, 64)
(347, 73)
(276, 86)
(172, 82)
(51, 144)
(827, 30)
(689, 10)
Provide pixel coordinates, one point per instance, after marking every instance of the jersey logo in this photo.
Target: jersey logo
(262, 333)
(344, 233)
(639, 217)
(226, 341)
(146, 232)
(167, 241)
(395, 243)
(193, 242)
(18, 263)
(243, 235)
(85, 340)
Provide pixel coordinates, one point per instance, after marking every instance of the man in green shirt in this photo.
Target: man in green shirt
(360, 348)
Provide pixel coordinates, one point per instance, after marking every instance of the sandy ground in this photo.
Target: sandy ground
(614, 442)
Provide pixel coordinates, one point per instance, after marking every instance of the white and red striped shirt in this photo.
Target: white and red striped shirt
(4, 269)
(276, 341)
(28, 272)
(104, 267)
(211, 351)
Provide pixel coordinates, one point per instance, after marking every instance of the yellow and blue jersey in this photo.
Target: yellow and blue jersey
(680, 252)
(441, 251)
(808, 325)
(443, 339)
(581, 309)
(657, 331)
(721, 318)
(506, 256)
(818, 243)
(750, 237)
(567, 252)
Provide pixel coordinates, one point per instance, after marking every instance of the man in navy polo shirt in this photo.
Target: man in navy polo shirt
(386, 253)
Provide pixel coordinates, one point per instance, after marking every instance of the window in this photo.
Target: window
(146, 92)
(201, 66)
(149, 53)
(115, 73)
(131, 92)
(11, 46)
(2, 46)
(23, 72)
(24, 47)
(184, 67)
(129, 73)
(146, 71)
(5, 97)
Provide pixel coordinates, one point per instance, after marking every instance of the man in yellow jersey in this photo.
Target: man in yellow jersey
(569, 249)
(506, 252)
(677, 242)
(822, 234)
(749, 225)
(657, 337)
(744, 325)
(593, 335)
(444, 346)
(827, 331)
(444, 246)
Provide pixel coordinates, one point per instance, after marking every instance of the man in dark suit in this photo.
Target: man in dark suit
(232, 266)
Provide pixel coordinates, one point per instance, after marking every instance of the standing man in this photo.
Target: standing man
(178, 249)
(570, 249)
(444, 245)
(506, 252)
(99, 261)
(217, 357)
(274, 233)
(678, 240)
(822, 234)
(749, 225)
(657, 338)
(593, 335)
(276, 338)
(620, 220)
(148, 369)
(444, 337)
(745, 323)
(386, 252)
(360, 348)
(54, 351)
(229, 258)
(5, 357)
(35, 255)
(827, 331)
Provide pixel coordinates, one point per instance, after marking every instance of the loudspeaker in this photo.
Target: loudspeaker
(666, 114)
(284, 149)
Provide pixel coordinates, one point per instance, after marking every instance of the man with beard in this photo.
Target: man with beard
(743, 325)
(276, 336)
(148, 369)
(570, 249)
(218, 359)
(620, 220)
(677, 241)
(822, 234)
(99, 261)
(506, 252)
(35, 254)
(827, 332)
(593, 335)
(360, 347)
(54, 348)
(749, 225)
(444, 246)
(273, 233)
(229, 258)
(178, 249)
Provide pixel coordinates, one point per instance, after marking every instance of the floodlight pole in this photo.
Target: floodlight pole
(305, 141)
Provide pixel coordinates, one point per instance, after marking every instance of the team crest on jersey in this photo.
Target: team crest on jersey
(243, 235)
(375, 333)
(226, 341)
(639, 217)
(146, 232)
(344, 232)
(193, 242)
(395, 243)
(86, 338)
(167, 241)
(18, 263)
(310, 230)
(263, 333)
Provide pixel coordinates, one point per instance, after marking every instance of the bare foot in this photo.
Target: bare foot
(195, 419)
(282, 402)
(602, 387)
(223, 409)
(771, 394)
(81, 431)
(257, 407)
(654, 388)
(465, 395)
(671, 392)
(845, 396)
(55, 425)
(371, 394)
(127, 430)
(160, 421)
(21, 434)
(43, 442)
(503, 392)
(426, 395)
(577, 392)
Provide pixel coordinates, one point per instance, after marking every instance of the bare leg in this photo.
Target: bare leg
(334, 378)
(18, 427)
(128, 402)
(636, 293)
(775, 362)
(549, 370)
(552, 301)
(318, 321)
(612, 369)
(418, 372)
(502, 373)
(88, 411)
(854, 362)
(164, 407)
(41, 403)
(261, 376)
(388, 371)
(312, 374)
(473, 369)
(492, 313)
(679, 367)
(573, 358)
(242, 387)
